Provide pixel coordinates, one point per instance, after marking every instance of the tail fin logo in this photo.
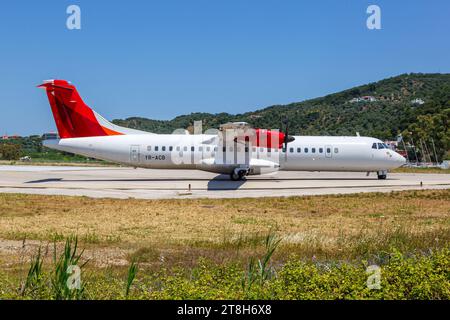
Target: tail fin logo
(74, 119)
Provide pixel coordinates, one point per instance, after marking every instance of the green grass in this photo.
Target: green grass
(132, 271)
(64, 282)
(34, 277)
(419, 275)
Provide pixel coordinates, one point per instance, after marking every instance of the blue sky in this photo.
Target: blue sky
(160, 59)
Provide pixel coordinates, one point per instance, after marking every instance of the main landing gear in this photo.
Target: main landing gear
(238, 174)
(382, 174)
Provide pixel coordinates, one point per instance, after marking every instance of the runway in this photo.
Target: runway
(118, 182)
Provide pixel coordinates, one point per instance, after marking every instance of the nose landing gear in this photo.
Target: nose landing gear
(382, 174)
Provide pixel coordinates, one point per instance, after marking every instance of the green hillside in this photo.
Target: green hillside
(392, 113)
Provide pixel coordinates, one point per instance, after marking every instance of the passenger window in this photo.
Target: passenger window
(374, 145)
(284, 149)
(306, 150)
(170, 148)
(261, 149)
(246, 149)
(178, 148)
(149, 148)
(163, 148)
(200, 149)
(291, 150)
(185, 148)
(313, 150)
(156, 148)
(215, 149)
(254, 149)
(336, 150)
(231, 149)
(320, 150)
(192, 149)
(208, 149)
(328, 150)
(299, 150)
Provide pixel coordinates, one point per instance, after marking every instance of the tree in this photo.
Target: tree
(9, 151)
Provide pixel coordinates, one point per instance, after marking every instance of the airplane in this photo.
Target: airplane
(235, 149)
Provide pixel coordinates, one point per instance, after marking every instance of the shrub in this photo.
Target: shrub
(423, 275)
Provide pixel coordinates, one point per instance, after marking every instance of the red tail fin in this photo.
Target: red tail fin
(74, 119)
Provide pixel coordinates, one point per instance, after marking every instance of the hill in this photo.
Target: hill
(394, 110)
(416, 105)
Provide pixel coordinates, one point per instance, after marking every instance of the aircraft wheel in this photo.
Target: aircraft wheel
(242, 174)
(382, 174)
(235, 176)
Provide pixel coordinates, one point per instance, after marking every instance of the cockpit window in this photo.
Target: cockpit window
(374, 145)
(381, 146)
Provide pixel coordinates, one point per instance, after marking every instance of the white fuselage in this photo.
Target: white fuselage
(171, 151)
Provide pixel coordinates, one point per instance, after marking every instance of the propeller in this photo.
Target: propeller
(287, 137)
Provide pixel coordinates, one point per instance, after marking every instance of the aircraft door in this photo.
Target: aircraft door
(134, 154)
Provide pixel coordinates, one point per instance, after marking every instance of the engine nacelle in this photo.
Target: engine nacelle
(265, 138)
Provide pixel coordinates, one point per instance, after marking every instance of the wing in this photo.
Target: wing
(232, 131)
(235, 126)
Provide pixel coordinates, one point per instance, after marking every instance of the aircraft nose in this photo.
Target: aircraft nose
(400, 159)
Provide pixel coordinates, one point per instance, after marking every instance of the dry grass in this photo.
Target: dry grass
(156, 231)
(421, 170)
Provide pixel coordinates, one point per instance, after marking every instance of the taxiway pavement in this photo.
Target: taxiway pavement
(119, 182)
